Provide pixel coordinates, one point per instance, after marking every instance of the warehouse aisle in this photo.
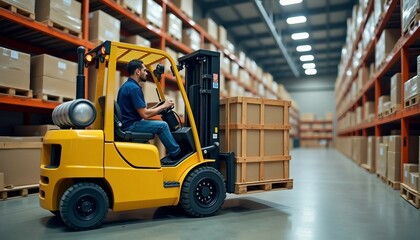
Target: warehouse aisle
(332, 199)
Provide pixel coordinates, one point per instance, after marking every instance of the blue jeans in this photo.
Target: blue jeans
(160, 128)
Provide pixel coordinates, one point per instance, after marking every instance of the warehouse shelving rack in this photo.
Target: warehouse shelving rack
(30, 36)
(401, 59)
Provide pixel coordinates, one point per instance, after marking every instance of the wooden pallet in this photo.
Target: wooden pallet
(367, 168)
(410, 195)
(395, 108)
(393, 185)
(15, 91)
(412, 101)
(17, 10)
(414, 23)
(50, 97)
(19, 191)
(243, 188)
(387, 112)
(52, 24)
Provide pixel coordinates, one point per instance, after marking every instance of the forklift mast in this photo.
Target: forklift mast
(202, 71)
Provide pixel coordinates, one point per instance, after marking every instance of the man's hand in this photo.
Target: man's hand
(169, 103)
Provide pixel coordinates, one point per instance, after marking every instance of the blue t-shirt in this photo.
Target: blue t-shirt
(130, 98)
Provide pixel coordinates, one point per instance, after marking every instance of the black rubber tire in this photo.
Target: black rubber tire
(84, 206)
(203, 192)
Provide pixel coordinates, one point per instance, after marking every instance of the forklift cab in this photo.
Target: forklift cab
(91, 165)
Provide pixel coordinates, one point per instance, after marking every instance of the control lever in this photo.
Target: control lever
(210, 148)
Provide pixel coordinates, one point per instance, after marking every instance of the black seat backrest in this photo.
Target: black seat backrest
(119, 133)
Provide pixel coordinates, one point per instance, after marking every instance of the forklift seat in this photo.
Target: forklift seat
(119, 134)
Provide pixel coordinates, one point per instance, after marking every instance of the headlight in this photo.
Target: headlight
(78, 113)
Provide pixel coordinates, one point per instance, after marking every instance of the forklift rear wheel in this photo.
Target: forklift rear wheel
(203, 192)
(84, 206)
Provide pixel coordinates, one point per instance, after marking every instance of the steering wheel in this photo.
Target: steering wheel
(166, 109)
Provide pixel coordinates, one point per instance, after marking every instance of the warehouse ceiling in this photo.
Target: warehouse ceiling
(259, 29)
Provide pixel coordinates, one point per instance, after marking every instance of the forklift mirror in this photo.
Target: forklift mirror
(159, 70)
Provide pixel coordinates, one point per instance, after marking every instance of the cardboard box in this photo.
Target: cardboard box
(174, 26)
(1, 181)
(382, 159)
(65, 13)
(26, 5)
(152, 12)
(34, 130)
(20, 159)
(93, 78)
(393, 168)
(385, 45)
(103, 26)
(409, 168)
(378, 140)
(368, 108)
(54, 86)
(191, 38)
(210, 27)
(137, 40)
(414, 181)
(395, 98)
(186, 6)
(394, 143)
(409, 10)
(222, 35)
(381, 102)
(371, 152)
(135, 5)
(53, 67)
(15, 69)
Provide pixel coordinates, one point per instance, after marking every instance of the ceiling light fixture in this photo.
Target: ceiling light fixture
(311, 71)
(299, 36)
(296, 20)
(289, 2)
(306, 58)
(303, 48)
(308, 65)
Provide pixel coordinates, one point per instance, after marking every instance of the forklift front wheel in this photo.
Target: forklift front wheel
(203, 192)
(84, 206)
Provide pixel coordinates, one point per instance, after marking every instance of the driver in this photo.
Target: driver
(135, 114)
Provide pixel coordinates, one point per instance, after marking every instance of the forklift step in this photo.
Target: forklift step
(171, 184)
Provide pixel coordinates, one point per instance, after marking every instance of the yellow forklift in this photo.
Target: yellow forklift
(91, 165)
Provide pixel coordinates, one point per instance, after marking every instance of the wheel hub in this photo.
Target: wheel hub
(205, 192)
(86, 206)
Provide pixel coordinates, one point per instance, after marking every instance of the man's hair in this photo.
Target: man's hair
(133, 65)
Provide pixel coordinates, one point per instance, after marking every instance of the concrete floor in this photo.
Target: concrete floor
(332, 199)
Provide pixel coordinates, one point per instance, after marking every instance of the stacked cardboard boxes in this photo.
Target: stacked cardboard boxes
(152, 12)
(210, 27)
(191, 38)
(64, 13)
(53, 76)
(394, 159)
(409, 10)
(137, 40)
(371, 153)
(395, 92)
(20, 158)
(411, 173)
(134, 5)
(174, 26)
(15, 69)
(186, 6)
(102, 27)
(385, 44)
